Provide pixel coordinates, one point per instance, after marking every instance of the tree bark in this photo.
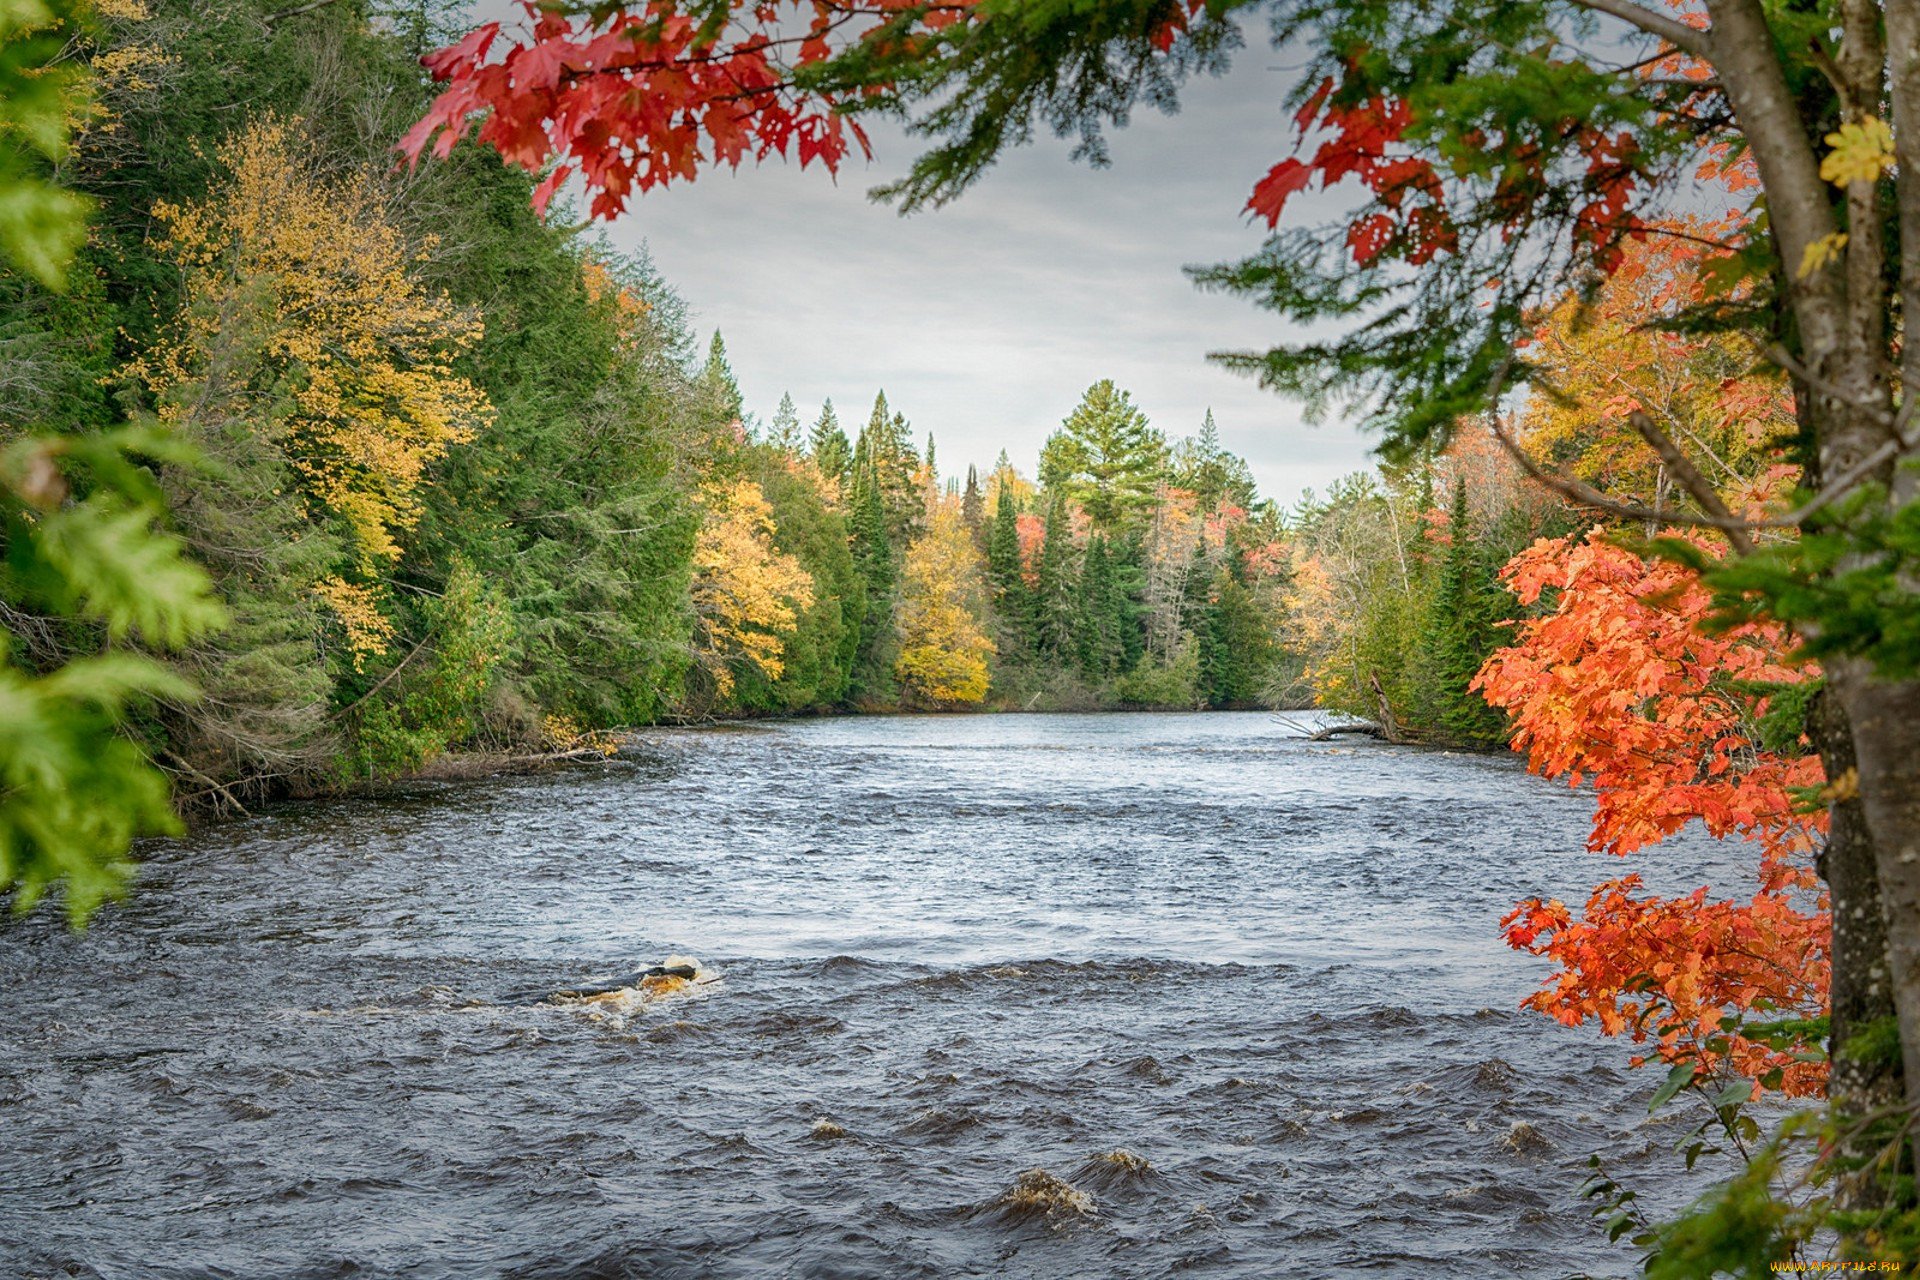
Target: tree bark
(1864, 1080)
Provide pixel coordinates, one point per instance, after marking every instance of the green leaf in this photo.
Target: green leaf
(1677, 1079)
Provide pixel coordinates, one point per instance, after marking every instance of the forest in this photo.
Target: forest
(338, 447)
(447, 478)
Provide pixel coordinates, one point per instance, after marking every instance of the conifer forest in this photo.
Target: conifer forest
(407, 596)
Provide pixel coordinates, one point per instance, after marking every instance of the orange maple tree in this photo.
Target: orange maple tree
(1619, 682)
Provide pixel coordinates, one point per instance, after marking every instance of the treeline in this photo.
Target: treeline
(463, 480)
(1131, 572)
(459, 479)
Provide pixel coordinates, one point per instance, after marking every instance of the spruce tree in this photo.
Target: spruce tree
(1216, 477)
(1237, 644)
(973, 509)
(1052, 616)
(873, 558)
(1094, 640)
(1461, 634)
(828, 445)
(784, 433)
(1010, 595)
(718, 381)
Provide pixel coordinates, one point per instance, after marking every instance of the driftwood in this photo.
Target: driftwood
(1367, 728)
(1389, 727)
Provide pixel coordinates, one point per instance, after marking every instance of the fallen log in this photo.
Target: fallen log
(1369, 728)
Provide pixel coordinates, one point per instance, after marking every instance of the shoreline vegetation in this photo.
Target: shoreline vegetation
(445, 481)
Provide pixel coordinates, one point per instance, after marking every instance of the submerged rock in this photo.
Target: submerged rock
(1525, 1140)
(1038, 1196)
(826, 1131)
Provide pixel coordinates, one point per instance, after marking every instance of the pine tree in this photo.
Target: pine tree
(973, 509)
(718, 381)
(785, 432)
(1106, 457)
(828, 445)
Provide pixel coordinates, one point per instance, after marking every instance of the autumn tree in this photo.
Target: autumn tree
(1621, 683)
(747, 593)
(944, 647)
(306, 358)
(1599, 359)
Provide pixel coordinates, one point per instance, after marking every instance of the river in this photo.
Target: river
(951, 950)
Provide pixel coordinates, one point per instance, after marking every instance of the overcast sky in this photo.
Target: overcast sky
(986, 320)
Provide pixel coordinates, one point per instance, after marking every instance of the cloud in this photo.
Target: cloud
(985, 320)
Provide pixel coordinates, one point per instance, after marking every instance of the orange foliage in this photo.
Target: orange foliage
(1599, 361)
(1619, 683)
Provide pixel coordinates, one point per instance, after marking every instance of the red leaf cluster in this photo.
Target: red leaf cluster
(1620, 683)
(649, 95)
(1364, 143)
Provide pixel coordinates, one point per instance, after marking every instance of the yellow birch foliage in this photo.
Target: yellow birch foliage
(943, 648)
(355, 378)
(369, 631)
(747, 593)
(1603, 361)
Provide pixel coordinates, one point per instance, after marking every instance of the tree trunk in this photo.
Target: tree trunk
(1865, 1077)
(1886, 737)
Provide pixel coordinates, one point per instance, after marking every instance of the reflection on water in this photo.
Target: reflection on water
(1003, 996)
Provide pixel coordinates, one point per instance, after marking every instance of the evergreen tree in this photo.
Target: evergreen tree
(785, 432)
(1237, 643)
(1216, 477)
(1053, 613)
(888, 442)
(973, 509)
(828, 445)
(1010, 596)
(873, 558)
(1095, 640)
(717, 380)
(1461, 633)
(1110, 640)
(1106, 457)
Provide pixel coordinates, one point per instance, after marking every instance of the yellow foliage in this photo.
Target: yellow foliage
(1602, 361)
(1822, 251)
(358, 356)
(563, 733)
(943, 649)
(369, 631)
(1861, 153)
(747, 593)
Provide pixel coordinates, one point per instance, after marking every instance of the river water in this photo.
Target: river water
(971, 946)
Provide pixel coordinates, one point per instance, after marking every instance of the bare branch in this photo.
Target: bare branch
(1678, 34)
(273, 19)
(1691, 480)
